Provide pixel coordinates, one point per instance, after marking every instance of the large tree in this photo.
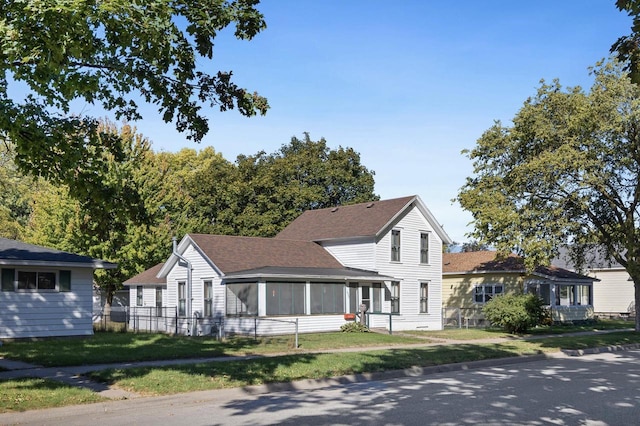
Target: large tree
(627, 48)
(273, 189)
(114, 53)
(566, 172)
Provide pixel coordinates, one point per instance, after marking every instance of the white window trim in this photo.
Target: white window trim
(493, 287)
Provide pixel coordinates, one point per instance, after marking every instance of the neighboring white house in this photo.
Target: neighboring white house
(385, 255)
(613, 294)
(45, 292)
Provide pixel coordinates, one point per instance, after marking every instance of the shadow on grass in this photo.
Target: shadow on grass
(283, 369)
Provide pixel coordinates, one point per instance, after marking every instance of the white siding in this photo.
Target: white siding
(614, 293)
(410, 272)
(48, 314)
(359, 254)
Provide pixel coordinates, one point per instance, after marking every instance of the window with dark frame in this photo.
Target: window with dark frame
(159, 301)
(182, 299)
(208, 299)
(139, 295)
(424, 298)
(485, 292)
(395, 245)
(395, 297)
(424, 248)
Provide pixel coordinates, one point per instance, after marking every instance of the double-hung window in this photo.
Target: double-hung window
(159, 301)
(485, 292)
(208, 299)
(424, 298)
(182, 299)
(395, 245)
(395, 297)
(424, 248)
(139, 295)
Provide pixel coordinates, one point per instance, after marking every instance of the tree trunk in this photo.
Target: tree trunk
(636, 291)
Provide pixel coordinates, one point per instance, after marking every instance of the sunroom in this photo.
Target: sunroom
(272, 300)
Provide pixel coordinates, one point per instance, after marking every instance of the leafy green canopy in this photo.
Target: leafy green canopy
(627, 48)
(115, 53)
(566, 172)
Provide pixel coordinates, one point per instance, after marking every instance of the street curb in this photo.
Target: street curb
(391, 374)
(601, 349)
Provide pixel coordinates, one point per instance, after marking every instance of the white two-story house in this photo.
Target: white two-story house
(381, 260)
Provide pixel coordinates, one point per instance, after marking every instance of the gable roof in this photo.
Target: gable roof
(355, 220)
(148, 277)
(248, 257)
(232, 254)
(13, 252)
(479, 262)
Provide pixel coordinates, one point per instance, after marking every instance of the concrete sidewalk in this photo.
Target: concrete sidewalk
(74, 375)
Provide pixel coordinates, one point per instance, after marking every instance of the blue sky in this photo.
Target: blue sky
(408, 84)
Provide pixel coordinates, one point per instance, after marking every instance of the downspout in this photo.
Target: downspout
(188, 289)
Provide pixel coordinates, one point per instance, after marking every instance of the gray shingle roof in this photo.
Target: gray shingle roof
(19, 253)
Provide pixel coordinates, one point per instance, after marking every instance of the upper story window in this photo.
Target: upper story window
(395, 245)
(424, 248)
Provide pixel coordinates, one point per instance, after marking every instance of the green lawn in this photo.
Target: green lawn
(34, 394)
(104, 348)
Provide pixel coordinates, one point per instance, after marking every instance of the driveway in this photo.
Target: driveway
(598, 389)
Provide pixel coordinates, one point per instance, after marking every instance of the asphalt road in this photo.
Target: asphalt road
(600, 389)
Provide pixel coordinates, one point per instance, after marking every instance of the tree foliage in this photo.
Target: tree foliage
(566, 172)
(114, 53)
(273, 189)
(144, 198)
(627, 48)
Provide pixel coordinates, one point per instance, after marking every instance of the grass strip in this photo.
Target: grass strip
(32, 394)
(104, 348)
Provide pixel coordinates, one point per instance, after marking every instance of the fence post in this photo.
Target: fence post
(390, 324)
(459, 318)
(255, 328)
(296, 333)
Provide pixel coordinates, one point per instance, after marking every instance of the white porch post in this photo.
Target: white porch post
(262, 298)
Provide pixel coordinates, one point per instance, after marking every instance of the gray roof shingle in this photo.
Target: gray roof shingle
(17, 252)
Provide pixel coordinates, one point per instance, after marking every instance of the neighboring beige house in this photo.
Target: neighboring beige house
(471, 279)
(613, 293)
(384, 255)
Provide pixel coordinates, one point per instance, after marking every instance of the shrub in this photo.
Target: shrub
(354, 327)
(515, 313)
